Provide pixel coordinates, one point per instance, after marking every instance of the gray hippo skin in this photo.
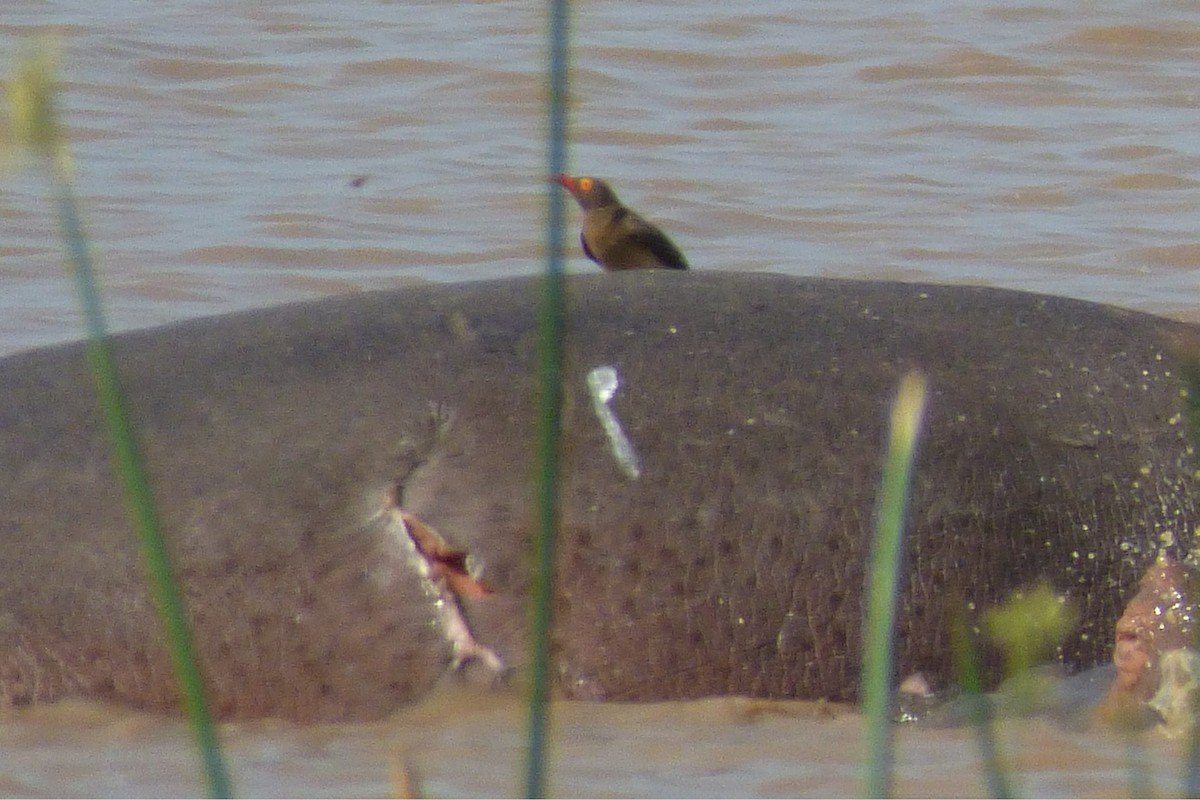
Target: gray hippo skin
(1055, 447)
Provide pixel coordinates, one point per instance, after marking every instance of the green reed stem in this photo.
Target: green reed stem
(1189, 357)
(33, 124)
(1191, 758)
(1137, 767)
(883, 581)
(551, 330)
(964, 653)
(131, 467)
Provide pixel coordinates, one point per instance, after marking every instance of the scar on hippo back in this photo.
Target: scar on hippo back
(447, 574)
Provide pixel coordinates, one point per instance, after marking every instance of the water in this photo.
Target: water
(1032, 147)
(471, 746)
(237, 154)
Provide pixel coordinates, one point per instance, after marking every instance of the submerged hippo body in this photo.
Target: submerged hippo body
(756, 405)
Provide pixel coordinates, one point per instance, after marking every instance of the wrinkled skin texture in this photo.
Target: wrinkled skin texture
(1053, 447)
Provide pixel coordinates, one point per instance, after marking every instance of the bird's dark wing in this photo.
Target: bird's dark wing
(654, 240)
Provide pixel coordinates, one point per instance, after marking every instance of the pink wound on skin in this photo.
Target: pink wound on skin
(1157, 620)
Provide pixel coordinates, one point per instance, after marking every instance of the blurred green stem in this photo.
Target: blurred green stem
(964, 653)
(138, 497)
(1188, 354)
(883, 581)
(551, 332)
(33, 124)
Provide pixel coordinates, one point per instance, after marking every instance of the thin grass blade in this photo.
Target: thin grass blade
(551, 331)
(883, 581)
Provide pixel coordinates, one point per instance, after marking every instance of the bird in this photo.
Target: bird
(615, 237)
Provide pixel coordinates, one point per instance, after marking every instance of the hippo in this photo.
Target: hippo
(346, 486)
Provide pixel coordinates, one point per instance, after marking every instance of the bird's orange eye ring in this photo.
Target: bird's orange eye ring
(585, 184)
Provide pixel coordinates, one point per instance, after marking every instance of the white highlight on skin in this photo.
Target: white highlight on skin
(602, 386)
(1175, 700)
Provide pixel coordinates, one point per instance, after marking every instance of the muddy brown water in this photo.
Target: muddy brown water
(471, 746)
(237, 154)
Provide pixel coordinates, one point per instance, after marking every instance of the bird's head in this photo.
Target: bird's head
(589, 192)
